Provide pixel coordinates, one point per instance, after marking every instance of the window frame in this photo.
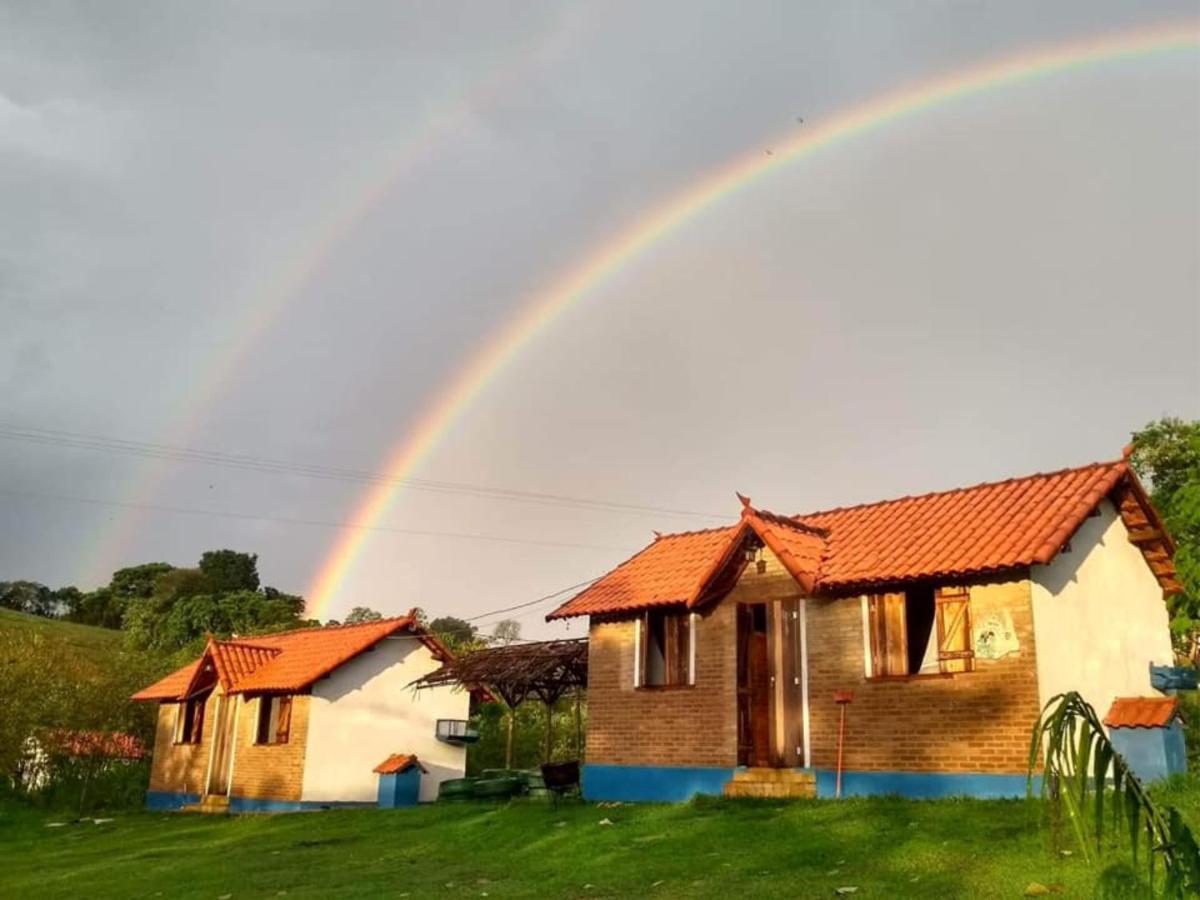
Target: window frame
(189, 720)
(678, 649)
(950, 662)
(273, 720)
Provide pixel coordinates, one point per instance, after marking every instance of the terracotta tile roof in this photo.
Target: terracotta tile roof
(985, 528)
(1141, 712)
(399, 762)
(285, 662)
(171, 687)
(989, 528)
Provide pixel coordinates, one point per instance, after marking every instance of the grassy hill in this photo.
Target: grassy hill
(96, 644)
(884, 847)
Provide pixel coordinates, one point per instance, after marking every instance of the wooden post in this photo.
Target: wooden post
(508, 746)
(549, 733)
(578, 724)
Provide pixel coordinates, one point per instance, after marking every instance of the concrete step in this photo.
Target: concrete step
(757, 775)
(212, 804)
(770, 790)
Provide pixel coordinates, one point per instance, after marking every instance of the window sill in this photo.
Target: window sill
(653, 688)
(186, 743)
(927, 676)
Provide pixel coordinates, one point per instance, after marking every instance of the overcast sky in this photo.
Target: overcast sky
(276, 230)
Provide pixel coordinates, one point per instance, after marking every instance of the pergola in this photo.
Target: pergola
(542, 670)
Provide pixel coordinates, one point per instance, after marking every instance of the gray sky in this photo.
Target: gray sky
(276, 230)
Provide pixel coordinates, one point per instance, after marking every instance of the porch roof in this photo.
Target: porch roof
(990, 528)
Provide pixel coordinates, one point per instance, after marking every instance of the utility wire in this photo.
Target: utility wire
(143, 449)
(544, 599)
(320, 523)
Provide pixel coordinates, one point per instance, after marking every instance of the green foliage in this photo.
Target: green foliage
(1167, 454)
(33, 598)
(529, 735)
(1079, 765)
(229, 570)
(362, 614)
(456, 634)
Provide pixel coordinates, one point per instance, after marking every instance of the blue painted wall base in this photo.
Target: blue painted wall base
(1152, 753)
(676, 784)
(165, 801)
(651, 784)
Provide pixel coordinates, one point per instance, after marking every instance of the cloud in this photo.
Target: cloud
(62, 131)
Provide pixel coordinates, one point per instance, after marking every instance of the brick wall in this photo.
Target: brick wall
(971, 722)
(270, 771)
(180, 768)
(684, 726)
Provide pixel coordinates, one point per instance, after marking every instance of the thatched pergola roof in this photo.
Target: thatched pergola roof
(542, 669)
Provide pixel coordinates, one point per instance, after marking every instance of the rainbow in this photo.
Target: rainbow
(267, 298)
(622, 248)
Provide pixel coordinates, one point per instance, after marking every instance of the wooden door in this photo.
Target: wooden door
(787, 715)
(754, 686)
(223, 722)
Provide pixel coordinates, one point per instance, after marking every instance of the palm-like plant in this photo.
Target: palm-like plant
(1082, 771)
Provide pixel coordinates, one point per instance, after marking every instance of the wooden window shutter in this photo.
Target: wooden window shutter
(283, 721)
(677, 655)
(954, 629)
(889, 638)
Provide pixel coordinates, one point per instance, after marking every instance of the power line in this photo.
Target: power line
(321, 523)
(544, 599)
(123, 447)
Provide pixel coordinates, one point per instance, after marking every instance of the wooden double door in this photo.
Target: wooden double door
(769, 684)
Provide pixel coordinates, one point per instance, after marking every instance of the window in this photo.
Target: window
(274, 720)
(920, 631)
(189, 720)
(666, 649)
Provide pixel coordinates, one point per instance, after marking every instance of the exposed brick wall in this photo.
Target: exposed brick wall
(180, 768)
(971, 722)
(687, 726)
(270, 771)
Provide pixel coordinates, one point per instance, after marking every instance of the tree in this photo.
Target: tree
(1167, 454)
(506, 631)
(28, 597)
(362, 614)
(455, 633)
(228, 570)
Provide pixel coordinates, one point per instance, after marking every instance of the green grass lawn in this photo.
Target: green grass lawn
(885, 847)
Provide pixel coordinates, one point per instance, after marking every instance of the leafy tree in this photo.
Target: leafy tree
(455, 633)
(138, 581)
(362, 614)
(229, 570)
(1167, 454)
(28, 597)
(507, 631)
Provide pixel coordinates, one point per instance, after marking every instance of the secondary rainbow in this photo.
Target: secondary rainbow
(536, 315)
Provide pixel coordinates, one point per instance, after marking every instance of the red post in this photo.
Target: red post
(842, 699)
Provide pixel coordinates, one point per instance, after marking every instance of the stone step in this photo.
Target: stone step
(770, 790)
(210, 803)
(773, 776)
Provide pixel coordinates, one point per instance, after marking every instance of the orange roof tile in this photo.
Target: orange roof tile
(1141, 712)
(399, 762)
(285, 662)
(985, 529)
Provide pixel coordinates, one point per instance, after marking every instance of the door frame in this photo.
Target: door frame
(224, 745)
(787, 666)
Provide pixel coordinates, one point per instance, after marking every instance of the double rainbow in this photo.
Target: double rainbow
(541, 311)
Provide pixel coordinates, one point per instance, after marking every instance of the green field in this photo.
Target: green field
(884, 847)
(96, 644)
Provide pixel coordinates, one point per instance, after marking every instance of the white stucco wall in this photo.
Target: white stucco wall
(366, 711)
(1099, 616)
